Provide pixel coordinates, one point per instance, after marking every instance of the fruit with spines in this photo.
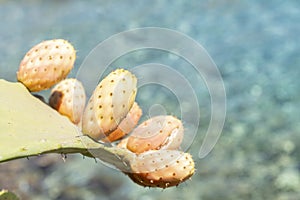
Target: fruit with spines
(68, 98)
(46, 64)
(161, 168)
(159, 132)
(126, 125)
(109, 104)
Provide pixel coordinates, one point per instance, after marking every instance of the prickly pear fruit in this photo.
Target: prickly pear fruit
(109, 104)
(160, 132)
(161, 168)
(126, 125)
(46, 64)
(68, 98)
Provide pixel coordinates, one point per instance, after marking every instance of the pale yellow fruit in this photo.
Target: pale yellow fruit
(109, 104)
(160, 132)
(161, 168)
(46, 64)
(126, 125)
(68, 98)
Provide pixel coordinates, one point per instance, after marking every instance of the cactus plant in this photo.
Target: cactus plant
(36, 128)
(29, 127)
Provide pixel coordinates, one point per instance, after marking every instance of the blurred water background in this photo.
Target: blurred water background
(255, 45)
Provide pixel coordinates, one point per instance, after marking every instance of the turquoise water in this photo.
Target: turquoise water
(255, 45)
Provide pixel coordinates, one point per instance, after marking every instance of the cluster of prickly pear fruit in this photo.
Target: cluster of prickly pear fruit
(110, 114)
(158, 161)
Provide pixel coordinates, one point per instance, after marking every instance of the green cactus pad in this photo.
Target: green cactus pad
(29, 127)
